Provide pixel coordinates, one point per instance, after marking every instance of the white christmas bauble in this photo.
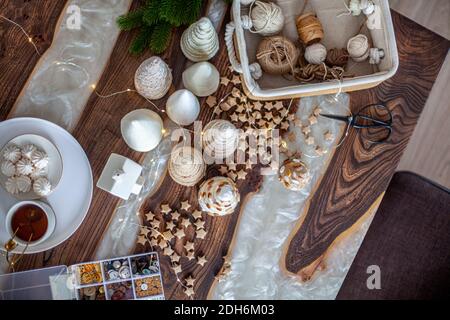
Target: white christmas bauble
(183, 107)
(153, 78)
(142, 130)
(202, 79)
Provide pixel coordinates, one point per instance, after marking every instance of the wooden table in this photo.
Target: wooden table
(358, 173)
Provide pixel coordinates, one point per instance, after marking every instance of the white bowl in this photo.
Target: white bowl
(54, 168)
(51, 220)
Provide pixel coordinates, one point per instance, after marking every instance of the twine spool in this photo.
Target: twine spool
(337, 57)
(315, 53)
(220, 139)
(186, 166)
(309, 29)
(277, 55)
(218, 196)
(321, 72)
(358, 48)
(267, 18)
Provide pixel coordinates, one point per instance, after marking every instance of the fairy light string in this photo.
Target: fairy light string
(22, 29)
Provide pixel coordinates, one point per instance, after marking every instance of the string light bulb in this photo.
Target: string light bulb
(30, 39)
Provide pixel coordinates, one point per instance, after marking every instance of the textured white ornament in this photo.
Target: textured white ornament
(12, 186)
(24, 167)
(183, 107)
(142, 130)
(39, 159)
(358, 48)
(316, 53)
(153, 78)
(42, 187)
(267, 18)
(12, 153)
(24, 183)
(202, 79)
(200, 41)
(27, 150)
(8, 168)
(218, 196)
(186, 166)
(220, 139)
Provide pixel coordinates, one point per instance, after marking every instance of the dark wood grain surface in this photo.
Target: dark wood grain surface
(17, 56)
(359, 172)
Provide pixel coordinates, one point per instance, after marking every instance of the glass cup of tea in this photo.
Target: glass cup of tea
(30, 222)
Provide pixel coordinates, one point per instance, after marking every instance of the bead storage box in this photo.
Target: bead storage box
(339, 24)
(125, 278)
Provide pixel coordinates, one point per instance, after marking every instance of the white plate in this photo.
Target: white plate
(72, 198)
(55, 165)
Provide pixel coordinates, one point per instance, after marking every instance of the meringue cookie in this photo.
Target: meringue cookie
(12, 153)
(39, 159)
(8, 168)
(42, 187)
(24, 167)
(38, 173)
(28, 150)
(12, 185)
(24, 183)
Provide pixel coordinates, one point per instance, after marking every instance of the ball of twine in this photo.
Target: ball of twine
(315, 53)
(312, 72)
(309, 28)
(358, 48)
(277, 55)
(186, 166)
(220, 139)
(337, 57)
(267, 18)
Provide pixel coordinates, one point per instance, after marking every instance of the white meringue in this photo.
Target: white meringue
(38, 173)
(8, 168)
(24, 183)
(40, 159)
(12, 153)
(42, 187)
(27, 150)
(24, 167)
(12, 185)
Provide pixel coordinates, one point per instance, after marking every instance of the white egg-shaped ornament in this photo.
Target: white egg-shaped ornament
(183, 107)
(202, 79)
(142, 130)
(153, 78)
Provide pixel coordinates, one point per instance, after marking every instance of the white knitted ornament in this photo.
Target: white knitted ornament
(153, 78)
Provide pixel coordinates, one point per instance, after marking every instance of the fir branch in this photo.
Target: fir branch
(131, 20)
(161, 37)
(180, 12)
(142, 40)
(151, 12)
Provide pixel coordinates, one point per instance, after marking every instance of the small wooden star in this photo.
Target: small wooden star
(248, 165)
(234, 117)
(189, 291)
(236, 80)
(243, 117)
(306, 130)
(284, 125)
(175, 257)
(155, 224)
(298, 123)
(240, 108)
(170, 225)
(223, 170)
(312, 120)
(320, 151)
(225, 106)
(291, 137)
(142, 240)
(168, 251)
(189, 246)
(257, 115)
(154, 233)
(268, 116)
(217, 111)
(197, 214)
(199, 224)
(185, 223)
(241, 175)
(257, 106)
(165, 209)
(154, 242)
(262, 123)
(284, 113)
(201, 234)
(168, 235)
(144, 231)
(268, 106)
(162, 244)
(190, 255)
(185, 205)
(277, 120)
(211, 101)
(224, 81)
(328, 136)
(236, 93)
(310, 140)
(231, 166)
(279, 105)
(291, 117)
(177, 269)
(232, 175)
(149, 216)
(201, 260)
(232, 101)
(317, 111)
(175, 215)
(180, 233)
(190, 281)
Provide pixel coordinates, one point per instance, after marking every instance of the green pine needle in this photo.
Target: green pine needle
(142, 40)
(161, 37)
(151, 12)
(131, 20)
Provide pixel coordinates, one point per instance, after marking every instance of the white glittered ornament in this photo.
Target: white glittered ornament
(200, 41)
(142, 130)
(153, 78)
(202, 79)
(183, 107)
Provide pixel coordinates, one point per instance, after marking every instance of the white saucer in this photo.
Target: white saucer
(71, 199)
(55, 164)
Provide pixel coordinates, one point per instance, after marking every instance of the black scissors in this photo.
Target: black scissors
(373, 122)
